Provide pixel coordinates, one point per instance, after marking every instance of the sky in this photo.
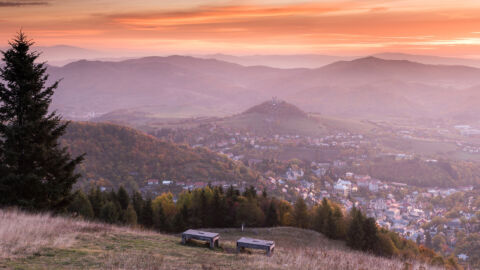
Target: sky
(336, 27)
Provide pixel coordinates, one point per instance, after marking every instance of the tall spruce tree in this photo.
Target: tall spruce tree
(131, 216)
(300, 213)
(370, 234)
(272, 216)
(355, 233)
(35, 171)
(123, 198)
(147, 218)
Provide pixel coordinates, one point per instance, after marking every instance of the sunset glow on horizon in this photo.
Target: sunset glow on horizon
(445, 28)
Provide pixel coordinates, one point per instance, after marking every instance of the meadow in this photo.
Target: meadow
(41, 241)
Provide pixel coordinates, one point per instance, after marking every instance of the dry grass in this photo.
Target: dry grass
(44, 242)
(23, 233)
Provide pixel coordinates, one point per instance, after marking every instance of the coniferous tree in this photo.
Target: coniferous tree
(300, 213)
(96, 200)
(123, 198)
(272, 216)
(217, 209)
(250, 192)
(231, 208)
(203, 211)
(321, 217)
(109, 213)
(81, 205)
(130, 216)
(180, 221)
(231, 192)
(331, 226)
(147, 214)
(370, 234)
(137, 202)
(355, 234)
(339, 223)
(35, 171)
(161, 223)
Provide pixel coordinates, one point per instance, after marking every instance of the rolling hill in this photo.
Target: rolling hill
(179, 86)
(264, 118)
(274, 117)
(119, 155)
(44, 242)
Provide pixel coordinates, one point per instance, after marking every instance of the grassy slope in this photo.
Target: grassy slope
(83, 245)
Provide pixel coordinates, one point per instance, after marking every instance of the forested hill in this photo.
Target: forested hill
(119, 155)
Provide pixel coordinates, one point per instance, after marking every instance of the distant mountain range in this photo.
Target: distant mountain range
(60, 55)
(181, 86)
(280, 61)
(169, 86)
(318, 60)
(432, 60)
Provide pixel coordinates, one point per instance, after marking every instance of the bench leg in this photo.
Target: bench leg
(212, 244)
(184, 241)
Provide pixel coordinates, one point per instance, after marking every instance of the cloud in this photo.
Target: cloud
(19, 3)
(209, 14)
(288, 25)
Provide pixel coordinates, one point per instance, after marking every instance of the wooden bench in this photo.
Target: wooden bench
(211, 238)
(245, 242)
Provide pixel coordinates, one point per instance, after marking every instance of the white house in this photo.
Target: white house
(343, 187)
(294, 174)
(152, 182)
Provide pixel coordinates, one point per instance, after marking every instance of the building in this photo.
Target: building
(293, 174)
(343, 187)
(373, 185)
(152, 182)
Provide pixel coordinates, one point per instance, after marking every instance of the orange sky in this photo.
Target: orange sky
(448, 27)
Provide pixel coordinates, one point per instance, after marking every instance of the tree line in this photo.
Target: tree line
(214, 207)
